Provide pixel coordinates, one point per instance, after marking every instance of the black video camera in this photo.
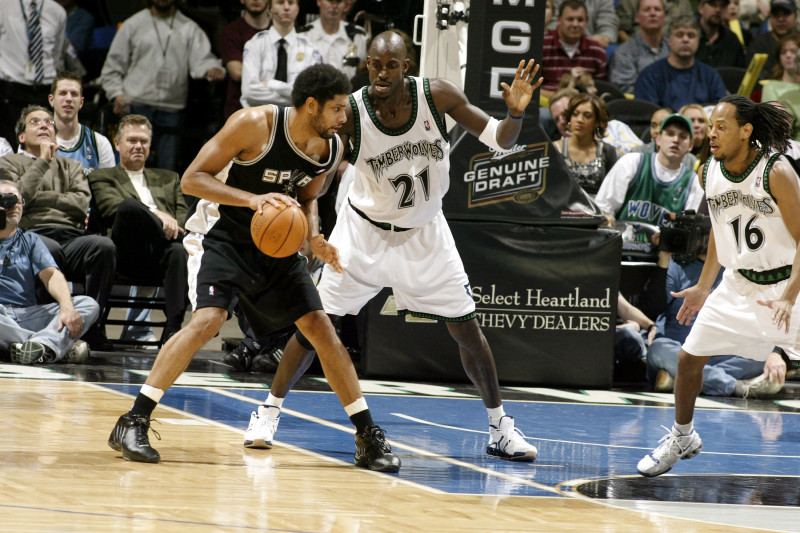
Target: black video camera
(7, 201)
(686, 236)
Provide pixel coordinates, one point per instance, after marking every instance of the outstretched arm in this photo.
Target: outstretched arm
(452, 100)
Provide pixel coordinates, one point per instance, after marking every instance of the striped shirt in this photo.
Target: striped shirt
(555, 61)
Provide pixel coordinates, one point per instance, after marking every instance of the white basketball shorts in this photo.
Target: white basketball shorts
(421, 265)
(732, 322)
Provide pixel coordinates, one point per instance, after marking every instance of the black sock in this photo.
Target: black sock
(143, 406)
(361, 420)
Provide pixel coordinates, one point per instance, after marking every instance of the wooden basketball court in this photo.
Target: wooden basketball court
(58, 474)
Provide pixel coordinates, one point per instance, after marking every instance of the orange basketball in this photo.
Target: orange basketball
(279, 232)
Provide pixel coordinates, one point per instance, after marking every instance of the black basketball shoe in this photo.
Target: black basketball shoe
(373, 452)
(130, 437)
(240, 358)
(268, 360)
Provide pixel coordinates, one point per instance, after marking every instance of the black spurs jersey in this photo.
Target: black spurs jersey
(281, 167)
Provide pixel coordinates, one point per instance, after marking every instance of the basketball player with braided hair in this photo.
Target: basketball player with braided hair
(277, 155)
(753, 199)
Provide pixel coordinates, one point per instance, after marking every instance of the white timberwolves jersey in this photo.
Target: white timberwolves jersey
(401, 175)
(748, 227)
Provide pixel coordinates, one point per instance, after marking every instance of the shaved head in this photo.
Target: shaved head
(391, 42)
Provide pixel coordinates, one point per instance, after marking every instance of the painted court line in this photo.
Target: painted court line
(399, 445)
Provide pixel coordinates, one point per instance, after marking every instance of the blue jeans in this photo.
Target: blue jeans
(719, 374)
(40, 323)
(167, 145)
(629, 346)
(141, 332)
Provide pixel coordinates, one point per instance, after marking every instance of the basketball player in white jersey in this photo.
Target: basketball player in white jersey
(391, 231)
(279, 156)
(753, 199)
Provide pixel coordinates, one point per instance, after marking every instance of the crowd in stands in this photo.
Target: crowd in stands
(671, 61)
(102, 211)
(82, 196)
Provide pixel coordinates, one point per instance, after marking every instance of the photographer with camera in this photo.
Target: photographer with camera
(682, 253)
(36, 333)
(646, 187)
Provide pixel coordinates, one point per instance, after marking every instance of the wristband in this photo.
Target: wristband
(651, 326)
(509, 115)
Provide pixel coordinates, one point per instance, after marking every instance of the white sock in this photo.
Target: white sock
(496, 413)
(683, 429)
(356, 407)
(152, 392)
(272, 401)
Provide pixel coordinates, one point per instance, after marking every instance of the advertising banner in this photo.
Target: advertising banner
(546, 300)
(528, 184)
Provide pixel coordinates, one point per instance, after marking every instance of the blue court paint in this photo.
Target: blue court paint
(575, 441)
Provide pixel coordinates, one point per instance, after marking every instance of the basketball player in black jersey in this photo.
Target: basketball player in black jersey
(278, 155)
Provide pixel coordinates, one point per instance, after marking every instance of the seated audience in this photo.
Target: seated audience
(37, 333)
(730, 19)
(618, 134)
(603, 23)
(627, 9)
(647, 187)
(782, 21)
(679, 79)
(142, 210)
(700, 125)
(658, 116)
(558, 104)
(648, 45)
(785, 58)
(587, 157)
(566, 47)
(56, 195)
(719, 46)
(76, 141)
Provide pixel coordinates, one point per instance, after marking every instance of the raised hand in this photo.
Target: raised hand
(518, 95)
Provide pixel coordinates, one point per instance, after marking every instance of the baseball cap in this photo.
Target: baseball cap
(788, 5)
(681, 120)
(726, 2)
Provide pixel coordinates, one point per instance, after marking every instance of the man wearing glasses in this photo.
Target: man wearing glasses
(34, 333)
(56, 194)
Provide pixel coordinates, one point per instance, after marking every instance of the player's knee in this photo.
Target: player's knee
(306, 343)
(206, 322)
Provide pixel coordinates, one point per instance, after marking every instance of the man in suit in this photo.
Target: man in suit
(142, 210)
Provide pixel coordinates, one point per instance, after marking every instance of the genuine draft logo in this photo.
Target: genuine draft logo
(517, 175)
